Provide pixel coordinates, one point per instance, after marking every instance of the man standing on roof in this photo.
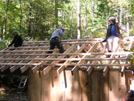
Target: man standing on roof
(17, 40)
(113, 35)
(55, 39)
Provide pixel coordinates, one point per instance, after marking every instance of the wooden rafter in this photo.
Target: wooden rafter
(85, 54)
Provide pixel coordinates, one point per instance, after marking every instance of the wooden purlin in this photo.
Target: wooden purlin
(79, 54)
(18, 59)
(90, 69)
(99, 56)
(90, 50)
(48, 68)
(60, 69)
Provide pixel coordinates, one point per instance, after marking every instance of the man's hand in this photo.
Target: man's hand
(63, 30)
(6, 48)
(104, 40)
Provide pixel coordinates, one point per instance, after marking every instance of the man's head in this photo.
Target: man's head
(15, 32)
(60, 27)
(112, 20)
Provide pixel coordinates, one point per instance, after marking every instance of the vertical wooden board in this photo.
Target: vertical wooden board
(57, 91)
(54, 92)
(95, 86)
(45, 86)
(122, 86)
(84, 86)
(104, 87)
(37, 86)
(114, 85)
(127, 75)
(69, 88)
(73, 90)
(34, 86)
(89, 86)
(30, 87)
(128, 81)
(76, 89)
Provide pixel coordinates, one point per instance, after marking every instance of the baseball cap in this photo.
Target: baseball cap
(61, 27)
(15, 31)
(112, 18)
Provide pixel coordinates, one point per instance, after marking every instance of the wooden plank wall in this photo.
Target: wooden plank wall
(78, 87)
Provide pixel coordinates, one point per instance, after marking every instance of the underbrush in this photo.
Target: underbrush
(9, 88)
(9, 94)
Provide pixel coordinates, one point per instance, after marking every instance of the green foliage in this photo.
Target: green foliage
(99, 34)
(131, 31)
(36, 19)
(9, 84)
(131, 56)
(2, 44)
(131, 5)
(9, 81)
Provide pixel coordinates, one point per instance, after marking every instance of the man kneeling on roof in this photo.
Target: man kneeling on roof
(55, 39)
(17, 40)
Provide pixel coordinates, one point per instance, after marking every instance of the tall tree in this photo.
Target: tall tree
(36, 19)
(78, 20)
(4, 22)
(56, 13)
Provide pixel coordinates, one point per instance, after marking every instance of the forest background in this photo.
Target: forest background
(37, 19)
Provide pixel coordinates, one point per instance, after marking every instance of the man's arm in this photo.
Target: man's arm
(61, 32)
(11, 43)
(123, 28)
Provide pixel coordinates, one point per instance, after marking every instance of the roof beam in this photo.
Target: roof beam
(89, 70)
(105, 71)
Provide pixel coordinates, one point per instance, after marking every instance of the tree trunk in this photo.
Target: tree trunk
(4, 24)
(128, 26)
(78, 21)
(121, 14)
(29, 20)
(20, 16)
(92, 15)
(56, 13)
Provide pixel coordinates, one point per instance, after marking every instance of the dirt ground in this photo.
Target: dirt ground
(10, 95)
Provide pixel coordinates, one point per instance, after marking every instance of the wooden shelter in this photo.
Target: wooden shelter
(84, 72)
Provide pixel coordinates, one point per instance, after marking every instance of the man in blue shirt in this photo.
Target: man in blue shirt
(55, 39)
